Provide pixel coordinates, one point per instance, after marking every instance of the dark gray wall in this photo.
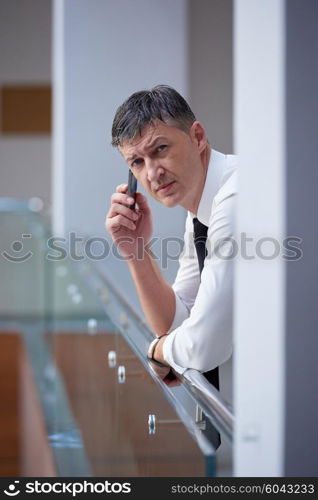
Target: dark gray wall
(301, 431)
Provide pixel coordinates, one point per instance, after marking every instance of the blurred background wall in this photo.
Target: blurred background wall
(210, 68)
(25, 60)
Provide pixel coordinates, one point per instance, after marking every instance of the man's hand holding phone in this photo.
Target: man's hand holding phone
(130, 229)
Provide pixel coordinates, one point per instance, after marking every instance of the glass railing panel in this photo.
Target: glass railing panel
(106, 413)
(22, 265)
(119, 436)
(112, 394)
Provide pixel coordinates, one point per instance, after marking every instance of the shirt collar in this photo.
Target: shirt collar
(215, 178)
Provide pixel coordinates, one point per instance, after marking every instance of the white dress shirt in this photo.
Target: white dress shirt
(200, 336)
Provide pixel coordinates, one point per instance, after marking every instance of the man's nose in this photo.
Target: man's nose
(154, 170)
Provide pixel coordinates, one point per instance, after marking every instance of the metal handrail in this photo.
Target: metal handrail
(219, 410)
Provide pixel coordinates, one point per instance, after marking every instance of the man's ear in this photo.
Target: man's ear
(198, 135)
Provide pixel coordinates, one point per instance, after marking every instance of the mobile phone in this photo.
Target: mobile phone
(132, 188)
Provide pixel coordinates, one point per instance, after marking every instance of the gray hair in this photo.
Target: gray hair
(145, 107)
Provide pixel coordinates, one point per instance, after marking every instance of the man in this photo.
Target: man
(168, 152)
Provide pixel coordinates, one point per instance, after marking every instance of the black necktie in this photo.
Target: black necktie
(200, 236)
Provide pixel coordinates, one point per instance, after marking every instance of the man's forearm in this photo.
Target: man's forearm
(156, 296)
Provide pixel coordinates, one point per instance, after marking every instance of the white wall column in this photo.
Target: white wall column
(260, 284)
(276, 341)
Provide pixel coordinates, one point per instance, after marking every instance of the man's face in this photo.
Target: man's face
(166, 161)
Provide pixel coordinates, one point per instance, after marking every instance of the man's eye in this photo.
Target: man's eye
(136, 162)
(162, 147)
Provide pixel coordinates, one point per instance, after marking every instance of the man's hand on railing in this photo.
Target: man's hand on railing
(166, 373)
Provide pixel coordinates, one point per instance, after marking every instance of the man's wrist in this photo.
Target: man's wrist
(140, 258)
(151, 351)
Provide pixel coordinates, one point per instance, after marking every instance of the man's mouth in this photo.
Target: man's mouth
(165, 187)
